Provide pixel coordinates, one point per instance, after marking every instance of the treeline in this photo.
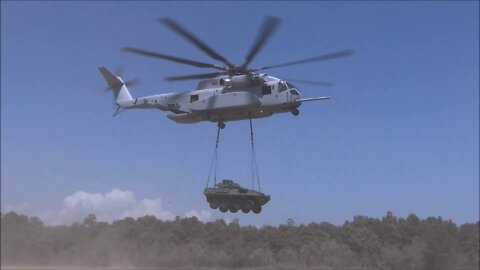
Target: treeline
(366, 243)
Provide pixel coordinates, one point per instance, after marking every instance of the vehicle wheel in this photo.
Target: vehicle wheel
(221, 125)
(257, 209)
(214, 204)
(295, 112)
(235, 206)
(223, 206)
(247, 206)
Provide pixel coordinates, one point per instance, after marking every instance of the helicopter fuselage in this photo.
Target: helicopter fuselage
(223, 99)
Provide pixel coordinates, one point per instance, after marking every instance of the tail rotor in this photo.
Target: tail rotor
(118, 86)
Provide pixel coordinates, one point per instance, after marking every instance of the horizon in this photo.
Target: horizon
(288, 222)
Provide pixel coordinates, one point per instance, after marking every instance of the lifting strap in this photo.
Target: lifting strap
(214, 163)
(254, 161)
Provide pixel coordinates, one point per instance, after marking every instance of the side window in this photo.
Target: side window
(193, 98)
(266, 90)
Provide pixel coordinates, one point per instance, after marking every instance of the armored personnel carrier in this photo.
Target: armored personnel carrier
(228, 195)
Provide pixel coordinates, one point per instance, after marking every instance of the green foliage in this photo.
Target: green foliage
(364, 243)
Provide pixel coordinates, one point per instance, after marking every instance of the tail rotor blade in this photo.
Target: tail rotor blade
(133, 82)
(115, 81)
(99, 91)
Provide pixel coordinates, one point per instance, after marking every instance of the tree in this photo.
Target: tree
(290, 222)
(146, 242)
(90, 220)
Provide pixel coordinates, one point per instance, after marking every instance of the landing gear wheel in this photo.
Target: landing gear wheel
(295, 111)
(223, 206)
(214, 204)
(247, 206)
(221, 125)
(257, 209)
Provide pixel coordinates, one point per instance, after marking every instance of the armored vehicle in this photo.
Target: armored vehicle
(228, 195)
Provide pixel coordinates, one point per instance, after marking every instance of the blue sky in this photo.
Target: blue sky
(400, 135)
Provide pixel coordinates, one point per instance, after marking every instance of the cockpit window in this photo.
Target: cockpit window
(294, 92)
(282, 86)
(193, 98)
(291, 85)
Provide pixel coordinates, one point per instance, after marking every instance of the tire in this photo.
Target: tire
(257, 209)
(235, 206)
(224, 206)
(247, 206)
(214, 204)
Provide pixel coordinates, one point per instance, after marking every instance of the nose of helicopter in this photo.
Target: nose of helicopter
(295, 94)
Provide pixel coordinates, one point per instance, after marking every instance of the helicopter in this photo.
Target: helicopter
(234, 92)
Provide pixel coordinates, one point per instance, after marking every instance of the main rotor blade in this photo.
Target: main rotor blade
(327, 84)
(324, 57)
(195, 76)
(196, 41)
(270, 24)
(173, 58)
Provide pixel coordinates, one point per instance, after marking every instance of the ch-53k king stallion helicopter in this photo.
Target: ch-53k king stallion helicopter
(232, 93)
